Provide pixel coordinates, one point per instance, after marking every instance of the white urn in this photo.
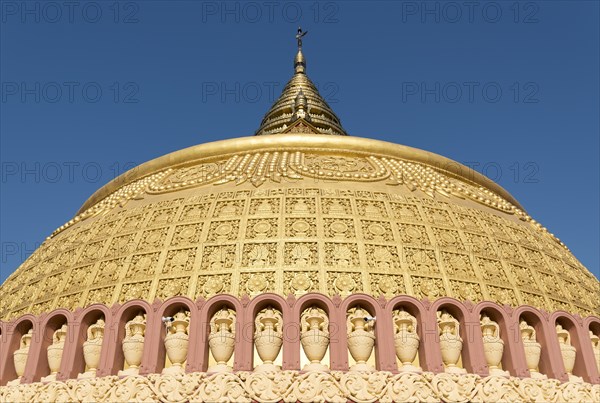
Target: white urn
(55, 353)
(361, 340)
(222, 340)
(533, 350)
(133, 345)
(314, 339)
(450, 342)
(268, 338)
(406, 340)
(20, 357)
(92, 348)
(493, 346)
(177, 343)
(568, 352)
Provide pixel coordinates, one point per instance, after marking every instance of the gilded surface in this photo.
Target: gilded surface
(292, 237)
(293, 386)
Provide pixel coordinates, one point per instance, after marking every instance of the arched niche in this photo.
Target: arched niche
(257, 304)
(11, 340)
(471, 355)
(50, 324)
(426, 330)
(158, 358)
(381, 357)
(545, 335)
(203, 358)
(85, 318)
(115, 360)
(306, 301)
(592, 324)
(568, 322)
(512, 356)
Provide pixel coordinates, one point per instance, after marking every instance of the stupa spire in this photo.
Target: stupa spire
(300, 108)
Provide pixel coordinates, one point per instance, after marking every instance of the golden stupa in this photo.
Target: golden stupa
(301, 208)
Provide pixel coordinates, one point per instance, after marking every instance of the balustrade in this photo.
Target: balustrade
(318, 331)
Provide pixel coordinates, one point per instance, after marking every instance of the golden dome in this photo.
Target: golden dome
(295, 213)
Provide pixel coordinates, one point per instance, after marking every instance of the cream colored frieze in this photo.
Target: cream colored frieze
(568, 351)
(533, 349)
(361, 337)
(406, 340)
(293, 386)
(177, 342)
(221, 339)
(55, 352)
(493, 345)
(596, 348)
(268, 338)
(92, 348)
(133, 344)
(450, 342)
(314, 337)
(20, 356)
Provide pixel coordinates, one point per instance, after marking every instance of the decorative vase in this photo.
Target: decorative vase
(133, 345)
(360, 339)
(568, 352)
(314, 338)
(176, 343)
(406, 340)
(92, 348)
(221, 340)
(20, 357)
(268, 338)
(533, 350)
(55, 352)
(493, 346)
(450, 342)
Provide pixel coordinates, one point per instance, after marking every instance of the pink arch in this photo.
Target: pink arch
(513, 358)
(247, 332)
(201, 355)
(73, 362)
(426, 329)
(154, 349)
(327, 305)
(584, 360)
(470, 331)
(385, 355)
(37, 361)
(113, 355)
(592, 323)
(11, 340)
(550, 360)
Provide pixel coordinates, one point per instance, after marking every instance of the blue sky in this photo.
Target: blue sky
(90, 89)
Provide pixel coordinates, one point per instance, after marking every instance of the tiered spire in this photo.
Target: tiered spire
(300, 108)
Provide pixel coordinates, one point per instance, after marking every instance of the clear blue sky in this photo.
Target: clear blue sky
(88, 90)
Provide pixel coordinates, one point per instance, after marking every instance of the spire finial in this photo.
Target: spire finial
(299, 61)
(299, 37)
